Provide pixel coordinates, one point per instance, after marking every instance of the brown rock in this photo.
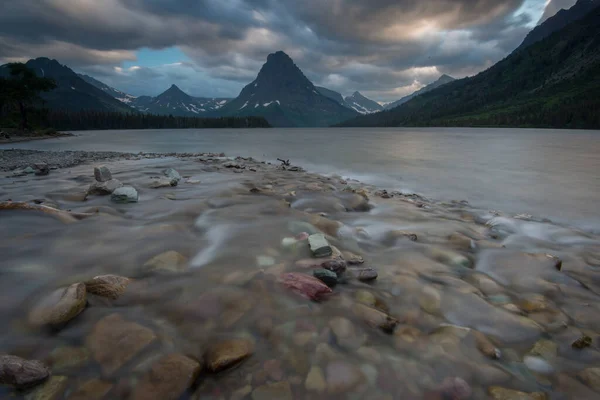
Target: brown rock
(272, 391)
(111, 286)
(227, 354)
(315, 380)
(346, 334)
(352, 259)
(68, 358)
(591, 377)
(375, 318)
(168, 378)
(461, 241)
(59, 307)
(169, 261)
(305, 285)
(21, 373)
(363, 274)
(94, 389)
(114, 341)
(500, 393)
(52, 389)
(486, 346)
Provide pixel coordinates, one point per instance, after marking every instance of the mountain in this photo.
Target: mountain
(117, 94)
(442, 80)
(552, 83)
(285, 97)
(332, 94)
(73, 93)
(559, 21)
(175, 102)
(361, 104)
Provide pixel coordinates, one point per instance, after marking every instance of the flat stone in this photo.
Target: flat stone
(59, 307)
(114, 341)
(20, 373)
(94, 389)
(363, 274)
(125, 194)
(102, 173)
(591, 377)
(105, 188)
(41, 169)
(346, 334)
(172, 175)
(163, 182)
(272, 391)
(168, 378)
(375, 318)
(327, 277)
(169, 261)
(68, 358)
(315, 380)
(319, 245)
(500, 393)
(343, 377)
(227, 354)
(110, 286)
(52, 389)
(305, 285)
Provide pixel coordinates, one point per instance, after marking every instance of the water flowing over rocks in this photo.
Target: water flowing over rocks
(124, 194)
(250, 281)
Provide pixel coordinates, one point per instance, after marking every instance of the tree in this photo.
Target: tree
(22, 89)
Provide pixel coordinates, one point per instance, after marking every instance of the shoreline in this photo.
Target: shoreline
(16, 136)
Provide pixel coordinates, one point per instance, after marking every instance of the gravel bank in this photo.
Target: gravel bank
(14, 159)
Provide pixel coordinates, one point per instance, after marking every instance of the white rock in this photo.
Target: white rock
(125, 194)
(172, 174)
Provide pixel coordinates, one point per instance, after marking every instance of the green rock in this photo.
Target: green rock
(365, 297)
(319, 245)
(327, 277)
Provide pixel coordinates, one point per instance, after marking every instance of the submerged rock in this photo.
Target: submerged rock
(168, 378)
(102, 174)
(59, 307)
(315, 380)
(227, 354)
(52, 389)
(305, 285)
(319, 245)
(327, 277)
(162, 183)
(114, 341)
(169, 261)
(375, 318)
(105, 188)
(346, 334)
(20, 373)
(500, 393)
(363, 274)
(68, 358)
(343, 376)
(111, 286)
(41, 169)
(172, 175)
(94, 389)
(125, 194)
(591, 377)
(271, 391)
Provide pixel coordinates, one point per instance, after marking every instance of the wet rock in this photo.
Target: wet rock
(449, 257)
(326, 225)
(544, 348)
(125, 194)
(486, 347)
(114, 341)
(346, 334)
(102, 174)
(327, 277)
(352, 259)
(241, 393)
(343, 377)
(500, 393)
(41, 169)
(365, 297)
(363, 274)
(29, 170)
(534, 303)
(169, 261)
(111, 286)
(538, 364)
(227, 354)
(94, 389)
(279, 391)
(305, 285)
(375, 318)
(265, 261)
(455, 388)
(163, 183)
(393, 236)
(59, 307)
(298, 227)
(167, 379)
(591, 377)
(104, 188)
(172, 175)
(430, 300)
(20, 373)
(315, 380)
(273, 369)
(486, 284)
(582, 343)
(52, 389)
(67, 358)
(319, 246)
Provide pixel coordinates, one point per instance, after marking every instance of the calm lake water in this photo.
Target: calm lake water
(546, 173)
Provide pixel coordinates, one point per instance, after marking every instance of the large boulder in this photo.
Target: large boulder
(59, 307)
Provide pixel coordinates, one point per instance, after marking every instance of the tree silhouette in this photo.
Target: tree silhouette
(22, 89)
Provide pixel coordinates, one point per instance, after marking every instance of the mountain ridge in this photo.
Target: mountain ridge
(361, 104)
(442, 80)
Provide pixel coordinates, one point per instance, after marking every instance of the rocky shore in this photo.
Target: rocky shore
(152, 276)
(15, 135)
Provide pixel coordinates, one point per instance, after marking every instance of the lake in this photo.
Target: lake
(547, 173)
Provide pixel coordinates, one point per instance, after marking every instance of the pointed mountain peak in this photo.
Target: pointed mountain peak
(174, 93)
(357, 94)
(279, 57)
(445, 78)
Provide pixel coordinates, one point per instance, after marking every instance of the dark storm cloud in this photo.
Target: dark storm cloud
(382, 46)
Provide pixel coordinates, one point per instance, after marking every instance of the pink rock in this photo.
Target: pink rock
(305, 285)
(302, 236)
(455, 389)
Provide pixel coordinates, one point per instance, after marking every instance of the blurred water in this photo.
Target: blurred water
(547, 173)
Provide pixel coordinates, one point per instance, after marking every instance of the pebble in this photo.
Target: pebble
(102, 174)
(375, 318)
(125, 194)
(59, 307)
(319, 246)
(167, 379)
(342, 377)
(228, 353)
(169, 261)
(363, 274)
(114, 341)
(327, 277)
(430, 300)
(20, 373)
(305, 285)
(365, 297)
(271, 391)
(500, 393)
(315, 380)
(52, 389)
(538, 364)
(111, 286)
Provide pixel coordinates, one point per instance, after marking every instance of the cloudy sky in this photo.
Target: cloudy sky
(383, 48)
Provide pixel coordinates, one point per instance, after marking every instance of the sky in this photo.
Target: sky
(385, 49)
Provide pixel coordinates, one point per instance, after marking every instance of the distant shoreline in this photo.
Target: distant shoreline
(15, 136)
